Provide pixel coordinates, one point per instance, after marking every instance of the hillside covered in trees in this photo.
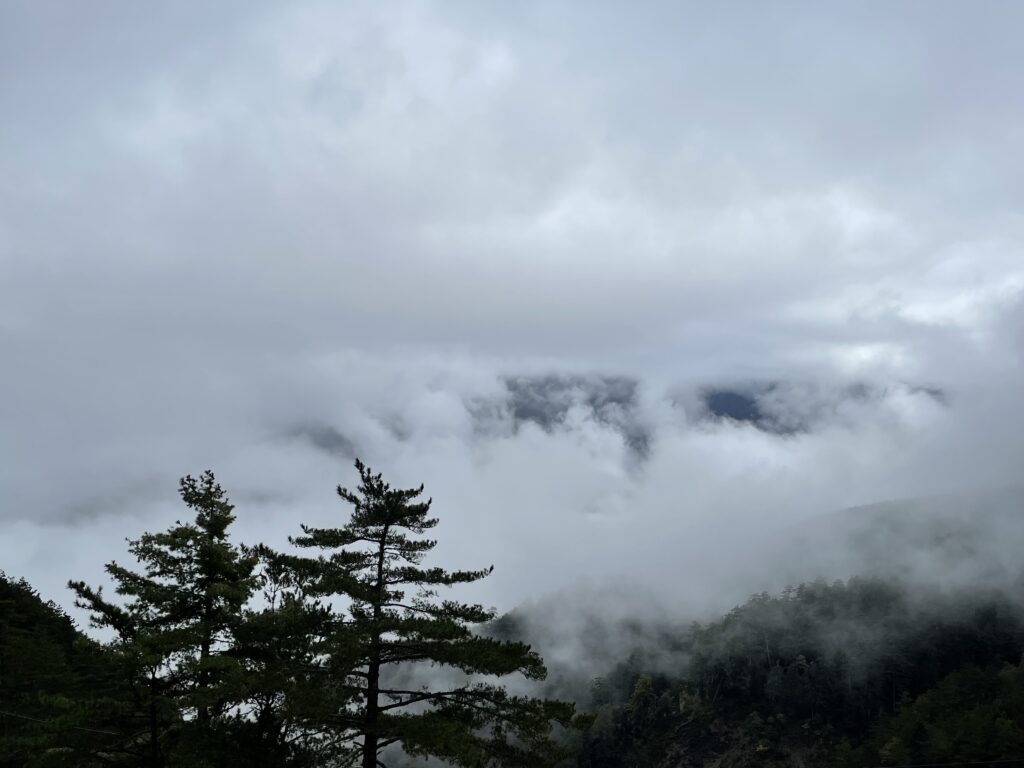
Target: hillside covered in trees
(861, 673)
(343, 651)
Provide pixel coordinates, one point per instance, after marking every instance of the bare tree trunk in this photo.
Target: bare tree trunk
(370, 720)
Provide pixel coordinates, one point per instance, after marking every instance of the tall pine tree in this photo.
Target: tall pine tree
(397, 620)
(176, 623)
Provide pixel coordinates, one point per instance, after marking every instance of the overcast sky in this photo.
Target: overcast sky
(261, 237)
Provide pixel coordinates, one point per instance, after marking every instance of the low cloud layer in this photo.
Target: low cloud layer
(514, 256)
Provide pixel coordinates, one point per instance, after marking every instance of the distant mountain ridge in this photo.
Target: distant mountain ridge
(959, 539)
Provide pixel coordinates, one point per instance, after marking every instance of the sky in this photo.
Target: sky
(506, 250)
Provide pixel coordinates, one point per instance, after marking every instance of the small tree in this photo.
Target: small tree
(179, 616)
(397, 620)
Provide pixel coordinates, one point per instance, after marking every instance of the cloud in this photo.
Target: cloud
(504, 254)
(327, 439)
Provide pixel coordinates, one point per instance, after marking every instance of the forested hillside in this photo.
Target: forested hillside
(229, 655)
(862, 673)
(59, 690)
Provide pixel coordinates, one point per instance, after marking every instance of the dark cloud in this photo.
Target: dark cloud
(786, 408)
(327, 439)
(735, 405)
(611, 400)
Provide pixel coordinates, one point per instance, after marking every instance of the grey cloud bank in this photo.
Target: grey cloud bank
(508, 254)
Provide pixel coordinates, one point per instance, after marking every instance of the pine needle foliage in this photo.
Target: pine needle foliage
(176, 621)
(398, 624)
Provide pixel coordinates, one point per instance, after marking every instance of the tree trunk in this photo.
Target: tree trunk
(154, 726)
(203, 712)
(370, 735)
(370, 720)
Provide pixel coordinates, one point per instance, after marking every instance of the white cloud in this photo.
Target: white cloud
(220, 226)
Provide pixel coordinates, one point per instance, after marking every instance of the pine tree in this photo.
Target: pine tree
(397, 620)
(280, 642)
(177, 621)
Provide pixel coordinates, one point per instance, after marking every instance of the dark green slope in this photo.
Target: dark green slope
(55, 684)
(862, 673)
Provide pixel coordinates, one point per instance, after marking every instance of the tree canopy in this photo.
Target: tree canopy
(176, 622)
(398, 619)
(340, 651)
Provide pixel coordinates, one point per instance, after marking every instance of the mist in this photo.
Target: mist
(638, 296)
